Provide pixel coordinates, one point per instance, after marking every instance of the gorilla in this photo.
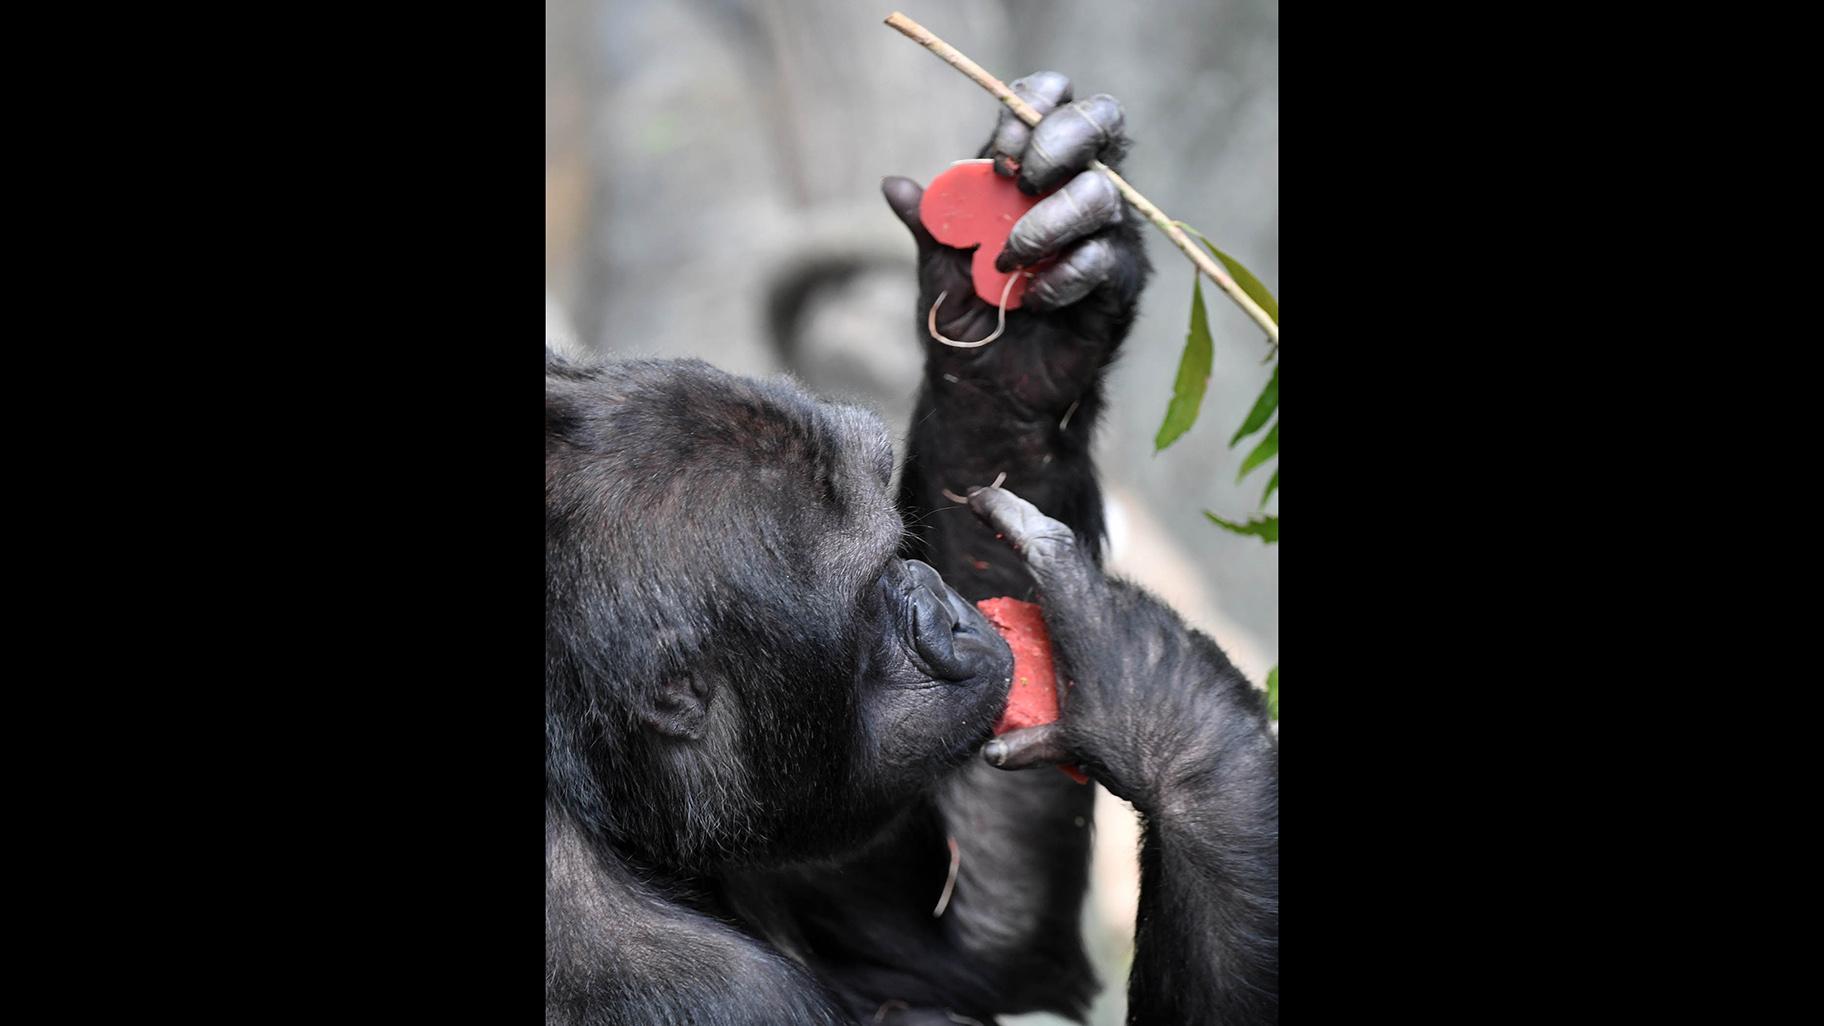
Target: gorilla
(771, 792)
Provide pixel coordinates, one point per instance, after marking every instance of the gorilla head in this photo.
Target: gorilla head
(738, 668)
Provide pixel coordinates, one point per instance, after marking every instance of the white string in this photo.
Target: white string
(963, 499)
(943, 900)
(1000, 326)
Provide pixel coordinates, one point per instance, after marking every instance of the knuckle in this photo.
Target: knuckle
(1026, 233)
(1095, 255)
(1090, 264)
(1102, 188)
(1033, 154)
(1044, 82)
(1040, 296)
(1070, 277)
(1052, 542)
(1107, 111)
(1097, 196)
(1060, 286)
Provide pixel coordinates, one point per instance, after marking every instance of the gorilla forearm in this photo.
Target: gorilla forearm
(1024, 839)
(1026, 406)
(1207, 936)
(1014, 409)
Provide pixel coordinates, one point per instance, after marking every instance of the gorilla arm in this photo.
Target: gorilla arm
(1160, 717)
(1025, 406)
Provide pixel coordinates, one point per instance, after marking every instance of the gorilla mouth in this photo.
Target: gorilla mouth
(953, 637)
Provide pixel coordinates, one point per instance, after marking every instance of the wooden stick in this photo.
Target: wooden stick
(1211, 269)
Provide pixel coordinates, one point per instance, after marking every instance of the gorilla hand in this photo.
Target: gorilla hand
(1077, 309)
(1155, 712)
(1151, 708)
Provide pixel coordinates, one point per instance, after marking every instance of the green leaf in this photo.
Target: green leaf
(1271, 485)
(1243, 277)
(1266, 450)
(1263, 408)
(1273, 693)
(1193, 374)
(1267, 528)
(1249, 284)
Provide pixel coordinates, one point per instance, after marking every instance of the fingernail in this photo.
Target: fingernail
(995, 752)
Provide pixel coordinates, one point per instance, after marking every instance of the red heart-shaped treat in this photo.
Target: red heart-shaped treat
(1033, 699)
(970, 205)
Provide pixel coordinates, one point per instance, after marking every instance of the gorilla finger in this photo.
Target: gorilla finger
(1077, 273)
(1044, 90)
(1042, 745)
(903, 195)
(1087, 204)
(1050, 548)
(1068, 139)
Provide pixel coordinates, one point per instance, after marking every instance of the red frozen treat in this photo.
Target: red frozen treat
(970, 205)
(1033, 700)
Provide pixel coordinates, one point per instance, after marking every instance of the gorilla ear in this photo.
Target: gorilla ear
(679, 707)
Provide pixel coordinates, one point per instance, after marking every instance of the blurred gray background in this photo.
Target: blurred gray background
(712, 189)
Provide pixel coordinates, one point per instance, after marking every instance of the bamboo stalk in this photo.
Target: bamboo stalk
(1211, 269)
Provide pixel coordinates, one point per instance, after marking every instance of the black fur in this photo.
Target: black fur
(761, 713)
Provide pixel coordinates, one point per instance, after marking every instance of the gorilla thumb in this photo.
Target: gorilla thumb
(903, 195)
(1042, 745)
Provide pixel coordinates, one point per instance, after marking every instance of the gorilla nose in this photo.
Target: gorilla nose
(923, 575)
(952, 635)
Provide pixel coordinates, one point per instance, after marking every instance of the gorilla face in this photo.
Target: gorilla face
(739, 668)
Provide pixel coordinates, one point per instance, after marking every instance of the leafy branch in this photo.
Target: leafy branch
(1194, 378)
(1236, 290)
(1187, 398)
